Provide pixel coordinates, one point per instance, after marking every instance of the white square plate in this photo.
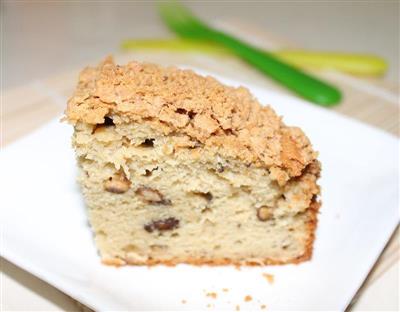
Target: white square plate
(45, 231)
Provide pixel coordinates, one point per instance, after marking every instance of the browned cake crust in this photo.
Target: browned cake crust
(199, 108)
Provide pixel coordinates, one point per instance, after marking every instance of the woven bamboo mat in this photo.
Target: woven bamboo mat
(374, 102)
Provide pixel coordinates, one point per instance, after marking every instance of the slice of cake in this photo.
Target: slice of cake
(179, 168)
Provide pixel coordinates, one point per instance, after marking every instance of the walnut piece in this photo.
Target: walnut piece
(117, 184)
(264, 213)
(162, 225)
(152, 196)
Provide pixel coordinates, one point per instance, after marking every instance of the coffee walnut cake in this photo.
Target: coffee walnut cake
(179, 168)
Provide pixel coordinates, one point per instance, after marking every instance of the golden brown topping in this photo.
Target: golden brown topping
(224, 119)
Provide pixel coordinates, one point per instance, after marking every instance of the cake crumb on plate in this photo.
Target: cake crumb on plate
(269, 277)
(212, 295)
(248, 298)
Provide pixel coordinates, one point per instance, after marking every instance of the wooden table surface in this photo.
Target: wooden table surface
(370, 101)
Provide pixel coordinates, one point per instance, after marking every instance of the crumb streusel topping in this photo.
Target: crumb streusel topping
(195, 107)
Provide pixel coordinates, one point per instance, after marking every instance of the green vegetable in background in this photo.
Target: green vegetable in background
(182, 22)
(356, 64)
